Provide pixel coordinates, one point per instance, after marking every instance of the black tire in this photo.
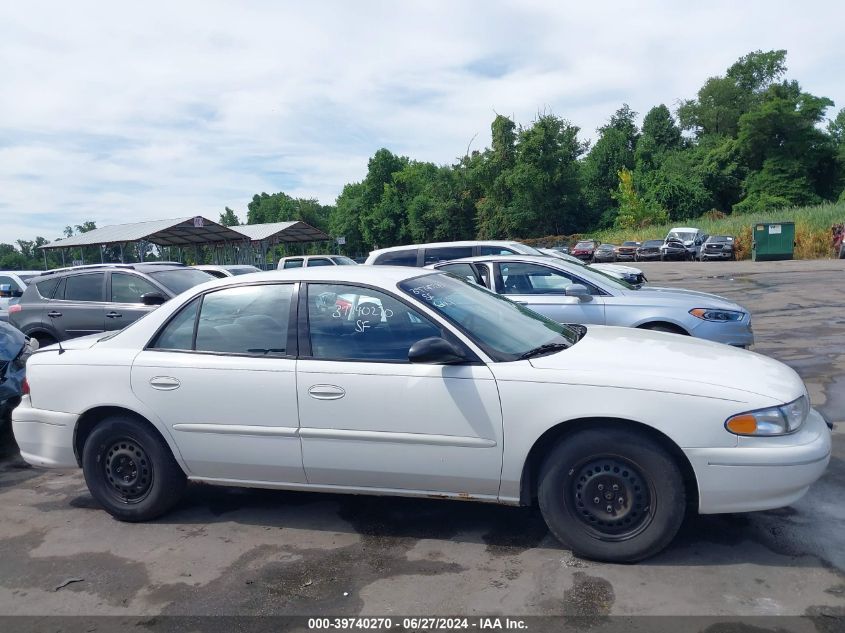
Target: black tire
(44, 339)
(649, 481)
(153, 482)
(660, 327)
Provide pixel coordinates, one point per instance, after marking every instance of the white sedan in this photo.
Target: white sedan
(382, 380)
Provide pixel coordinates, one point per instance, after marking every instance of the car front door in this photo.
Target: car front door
(221, 376)
(125, 291)
(371, 419)
(543, 289)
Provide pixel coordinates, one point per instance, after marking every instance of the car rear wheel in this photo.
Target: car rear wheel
(612, 495)
(130, 470)
(44, 339)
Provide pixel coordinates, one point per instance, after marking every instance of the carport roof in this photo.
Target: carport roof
(173, 232)
(191, 230)
(296, 231)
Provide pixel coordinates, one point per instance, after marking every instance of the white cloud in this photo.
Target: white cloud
(117, 112)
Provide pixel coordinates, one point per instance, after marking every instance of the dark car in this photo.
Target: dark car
(605, 253)
(15, 348)
(674, 249)
(71, 302)
(585, 249)
(627, 251)
(718, 247)
(649, 250)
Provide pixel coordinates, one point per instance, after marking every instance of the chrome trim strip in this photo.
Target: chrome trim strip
(396, 438)
(238, 429)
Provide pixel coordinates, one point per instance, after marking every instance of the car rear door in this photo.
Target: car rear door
(221, 376)
(78, 305)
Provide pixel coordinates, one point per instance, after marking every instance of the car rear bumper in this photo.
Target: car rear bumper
(45, 438)
(761, 473)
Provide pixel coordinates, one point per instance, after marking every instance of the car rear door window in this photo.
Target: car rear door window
(319, 261)
(293, 263)
(128, 288)
(84, 287)
(445, 253)
(462, 270)
(245, 320)
(406, 257)
(354, 323)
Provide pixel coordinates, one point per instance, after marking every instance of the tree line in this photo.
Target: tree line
(750, 140)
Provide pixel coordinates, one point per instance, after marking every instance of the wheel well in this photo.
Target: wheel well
(669, 326)
(91, 418)
(548, 440)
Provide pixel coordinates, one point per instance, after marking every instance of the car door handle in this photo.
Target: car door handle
(164, 383)
(54, 314)
(113, 315)
(326, 392)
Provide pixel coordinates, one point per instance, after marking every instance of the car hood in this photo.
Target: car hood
(688, 297)
(616, 268)
(658, 361)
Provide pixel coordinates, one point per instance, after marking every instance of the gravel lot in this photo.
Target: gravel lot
(234, 551)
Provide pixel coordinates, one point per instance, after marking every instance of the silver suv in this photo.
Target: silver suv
(70, 302)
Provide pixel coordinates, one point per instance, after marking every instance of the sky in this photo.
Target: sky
(120, 112)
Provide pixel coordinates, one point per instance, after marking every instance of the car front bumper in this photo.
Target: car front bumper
(736, 333)
(716, 254)
(761, 473)
(45, 438)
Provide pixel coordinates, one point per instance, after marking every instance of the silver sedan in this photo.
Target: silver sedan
(570, 293)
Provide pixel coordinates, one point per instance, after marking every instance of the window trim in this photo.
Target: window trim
(304, 329)
(292, 338)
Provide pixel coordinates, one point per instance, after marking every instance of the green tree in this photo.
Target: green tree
(228, 218)
(635, 212)
(612, 152)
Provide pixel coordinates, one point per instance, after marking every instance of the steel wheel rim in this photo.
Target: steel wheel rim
(610, 497)
(127, 471)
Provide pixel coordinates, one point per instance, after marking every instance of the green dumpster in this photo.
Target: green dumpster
(773, 240)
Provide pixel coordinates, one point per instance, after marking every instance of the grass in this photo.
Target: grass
(812, 229)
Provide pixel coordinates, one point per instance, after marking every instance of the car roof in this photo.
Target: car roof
(21, 272)
(686, 229)
(376, 275)
(307, 256)
(446, 244)
(141, 267)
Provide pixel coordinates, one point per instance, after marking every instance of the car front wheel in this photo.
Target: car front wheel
(130, 470)
(612, 495)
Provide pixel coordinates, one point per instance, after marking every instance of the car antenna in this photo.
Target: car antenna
(61, 349)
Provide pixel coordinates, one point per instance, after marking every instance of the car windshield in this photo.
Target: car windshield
(652, 243)
(686, 237)
(585, 245)
(524, 249)
(720, 238)
(243, 270)
(26, 278)
(503, 329)
(597, 274)
(178, 280)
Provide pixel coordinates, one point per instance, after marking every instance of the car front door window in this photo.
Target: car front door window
(534, 279)
(127, 288)
(356, 323)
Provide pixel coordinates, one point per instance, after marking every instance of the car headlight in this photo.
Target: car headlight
(709, 314)
(781, 420)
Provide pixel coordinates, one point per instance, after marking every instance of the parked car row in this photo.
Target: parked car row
(416, 382)
(680, 244)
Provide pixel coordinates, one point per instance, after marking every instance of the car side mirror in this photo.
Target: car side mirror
(578, 290)
(435, 351)
(153, 299)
